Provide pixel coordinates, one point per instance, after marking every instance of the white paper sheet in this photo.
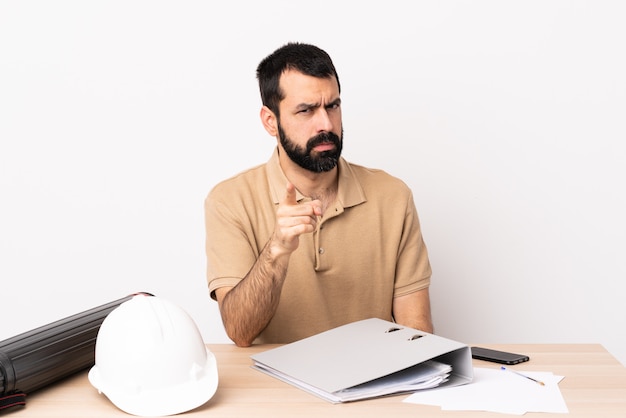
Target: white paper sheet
(500, 391)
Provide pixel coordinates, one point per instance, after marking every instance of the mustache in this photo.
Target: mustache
(323, 138)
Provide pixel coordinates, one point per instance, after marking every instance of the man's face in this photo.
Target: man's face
(309, 126)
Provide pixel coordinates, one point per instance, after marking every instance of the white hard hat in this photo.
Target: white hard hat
(151, 359)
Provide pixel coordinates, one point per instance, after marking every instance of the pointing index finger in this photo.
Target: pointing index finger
(290, 197)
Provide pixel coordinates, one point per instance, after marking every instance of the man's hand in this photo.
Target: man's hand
(292, 220)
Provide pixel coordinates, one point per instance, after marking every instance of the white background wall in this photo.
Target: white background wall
(505, 118)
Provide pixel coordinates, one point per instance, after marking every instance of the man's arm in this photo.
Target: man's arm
(413, 310)
(247, 308)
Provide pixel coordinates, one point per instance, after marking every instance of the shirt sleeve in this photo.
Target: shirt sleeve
(413, 270)
(229, 252)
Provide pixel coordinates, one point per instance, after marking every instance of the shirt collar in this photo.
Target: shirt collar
(349, 191)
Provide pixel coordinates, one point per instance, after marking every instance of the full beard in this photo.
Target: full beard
(306, 158)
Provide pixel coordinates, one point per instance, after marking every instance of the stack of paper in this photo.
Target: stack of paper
(422, 376)
(426, 375)
(500, 391)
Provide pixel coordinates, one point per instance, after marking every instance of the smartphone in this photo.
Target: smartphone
(496, 356)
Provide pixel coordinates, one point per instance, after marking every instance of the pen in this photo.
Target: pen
(523, 375)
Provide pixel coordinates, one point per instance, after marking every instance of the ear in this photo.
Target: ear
(269, 121)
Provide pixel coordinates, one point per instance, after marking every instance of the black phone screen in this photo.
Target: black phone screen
(496, 356)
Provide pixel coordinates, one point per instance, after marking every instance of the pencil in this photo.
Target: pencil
(523, 375)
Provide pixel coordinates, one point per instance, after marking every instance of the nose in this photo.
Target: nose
(324, 122)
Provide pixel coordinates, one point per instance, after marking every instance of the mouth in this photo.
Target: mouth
(325, 146)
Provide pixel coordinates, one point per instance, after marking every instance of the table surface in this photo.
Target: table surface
(594, 386)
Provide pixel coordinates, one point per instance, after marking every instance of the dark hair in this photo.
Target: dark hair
(305, 58)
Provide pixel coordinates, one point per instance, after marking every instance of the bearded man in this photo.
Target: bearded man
(307, 241)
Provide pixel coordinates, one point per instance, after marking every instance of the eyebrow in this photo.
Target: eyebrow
(306, 106)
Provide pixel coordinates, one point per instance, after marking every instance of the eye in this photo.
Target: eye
(333, 106)
(304, 109)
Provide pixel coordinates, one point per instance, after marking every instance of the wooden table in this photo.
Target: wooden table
(594, 386)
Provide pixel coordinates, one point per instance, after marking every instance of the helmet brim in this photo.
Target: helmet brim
(162, 402)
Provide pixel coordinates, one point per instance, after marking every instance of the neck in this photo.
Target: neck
(320, 186)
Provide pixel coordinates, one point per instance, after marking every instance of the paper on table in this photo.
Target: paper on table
(496, 390)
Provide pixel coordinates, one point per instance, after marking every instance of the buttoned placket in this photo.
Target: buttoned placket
(320, 250)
